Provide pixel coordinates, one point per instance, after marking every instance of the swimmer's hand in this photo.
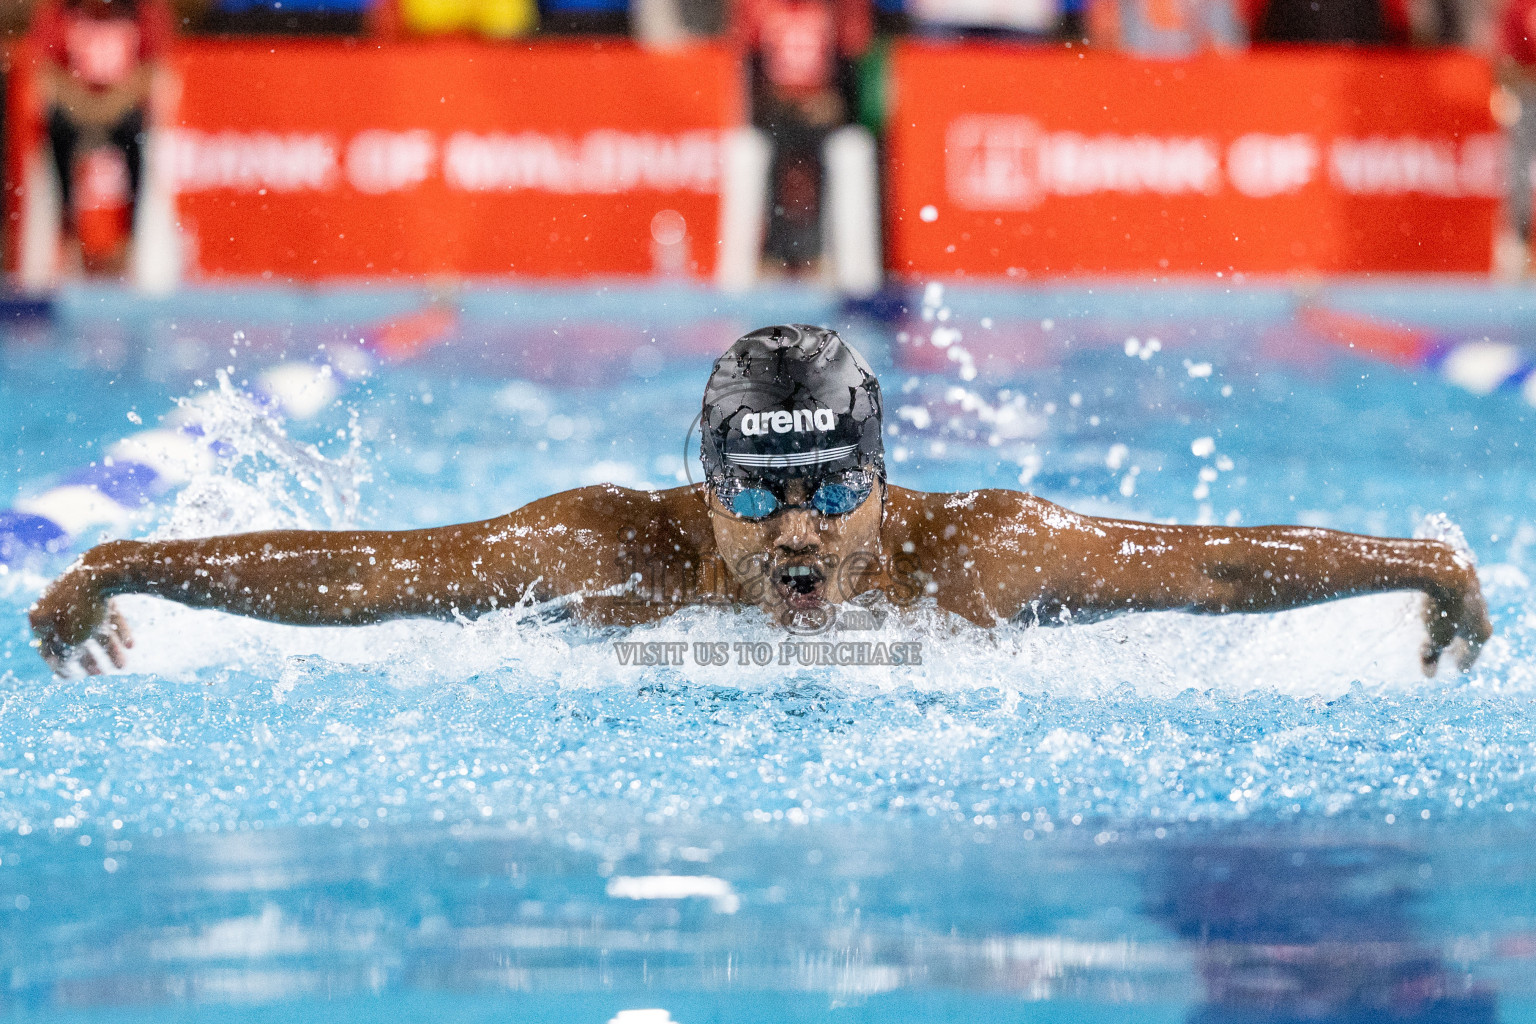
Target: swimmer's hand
(70, 615)
(1456, 618)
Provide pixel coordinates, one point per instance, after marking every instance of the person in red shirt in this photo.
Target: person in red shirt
(801, 53)
(98, 59)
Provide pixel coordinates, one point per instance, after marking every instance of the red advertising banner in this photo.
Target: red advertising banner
(1013, 162)
(334, 159)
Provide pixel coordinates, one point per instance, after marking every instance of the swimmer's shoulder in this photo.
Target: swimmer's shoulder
(975, 512)
(611, 510)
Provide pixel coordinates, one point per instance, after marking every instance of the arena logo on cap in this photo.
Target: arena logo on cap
(801, 421)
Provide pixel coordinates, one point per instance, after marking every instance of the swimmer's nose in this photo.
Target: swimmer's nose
(797, 530)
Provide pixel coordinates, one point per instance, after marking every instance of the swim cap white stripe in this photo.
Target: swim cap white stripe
(809, 458)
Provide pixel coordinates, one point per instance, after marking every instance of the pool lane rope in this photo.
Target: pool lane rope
(145, 467)
(1481, 366)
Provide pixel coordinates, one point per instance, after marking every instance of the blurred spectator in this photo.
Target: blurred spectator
(15, 18)
(493, 19)
(658, 23)
(97, 60)
(891, 17)
(1039, 19)
(305, 17)
(585, 16)
(1517, 74)
(801, 54)
(1367, 22)
(1466, 23)
(702, 18)
(667, 23)
(1166, 28)
(1475, 21)
(1437, 22)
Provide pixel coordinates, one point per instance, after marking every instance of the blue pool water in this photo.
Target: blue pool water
(1158, 817)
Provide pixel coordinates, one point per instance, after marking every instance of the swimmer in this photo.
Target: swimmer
(794, 516)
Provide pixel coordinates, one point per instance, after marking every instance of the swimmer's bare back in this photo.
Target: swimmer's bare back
(619, 556)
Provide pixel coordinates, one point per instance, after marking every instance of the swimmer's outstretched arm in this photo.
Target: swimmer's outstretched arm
(294, 576)
(1096, 565)
(311, 577)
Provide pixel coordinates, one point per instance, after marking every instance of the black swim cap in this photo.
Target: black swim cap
(791, 401)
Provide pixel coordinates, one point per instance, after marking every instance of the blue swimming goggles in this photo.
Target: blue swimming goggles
(834, 495)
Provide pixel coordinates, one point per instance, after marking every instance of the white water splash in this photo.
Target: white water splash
(1439, 526)
(263, 479)
(1319, 651)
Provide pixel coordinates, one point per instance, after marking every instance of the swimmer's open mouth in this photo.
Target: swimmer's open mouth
(800, 585)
